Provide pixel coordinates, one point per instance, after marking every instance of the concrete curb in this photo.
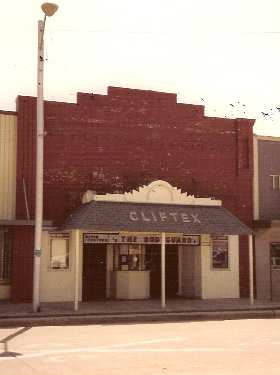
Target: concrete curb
(86, 319)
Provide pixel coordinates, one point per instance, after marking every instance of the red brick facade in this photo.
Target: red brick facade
(116, 142)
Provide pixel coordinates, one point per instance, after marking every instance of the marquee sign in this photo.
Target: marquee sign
(193, 240)
(164, 216)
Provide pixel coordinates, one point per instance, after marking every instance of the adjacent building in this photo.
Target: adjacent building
(8, 152)
(267, 216)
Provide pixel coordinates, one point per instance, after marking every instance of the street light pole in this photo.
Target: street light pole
(49, 9)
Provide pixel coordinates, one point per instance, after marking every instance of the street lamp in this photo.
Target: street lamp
(49, 9)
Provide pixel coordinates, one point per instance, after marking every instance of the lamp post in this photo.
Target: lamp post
(49, 9)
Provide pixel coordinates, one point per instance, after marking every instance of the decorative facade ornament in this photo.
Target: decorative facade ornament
(156, 192)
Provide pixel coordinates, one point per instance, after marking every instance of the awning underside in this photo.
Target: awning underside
(151, 217)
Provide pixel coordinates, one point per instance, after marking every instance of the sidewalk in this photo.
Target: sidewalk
(111, 311)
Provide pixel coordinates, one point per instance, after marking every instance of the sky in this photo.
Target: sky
(223, 54)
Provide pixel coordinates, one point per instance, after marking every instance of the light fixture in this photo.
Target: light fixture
(49, 9)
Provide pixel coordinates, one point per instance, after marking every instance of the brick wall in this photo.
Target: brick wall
(116, 142)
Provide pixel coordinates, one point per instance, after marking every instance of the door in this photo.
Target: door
(94, 272)
(274, 270)
(153, 263)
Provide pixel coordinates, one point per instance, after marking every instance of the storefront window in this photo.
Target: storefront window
(5, 257)
(220, 252)
(275, 255)
(59, 251)
(129, 257)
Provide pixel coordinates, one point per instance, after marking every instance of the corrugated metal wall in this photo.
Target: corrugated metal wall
(8, 140)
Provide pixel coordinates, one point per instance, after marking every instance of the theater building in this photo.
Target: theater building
(118, 163)
(267, 216)
(155, 242)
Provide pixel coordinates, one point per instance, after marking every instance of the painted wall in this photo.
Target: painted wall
(59, 285)
(219, 283)
(269, 177)
(8, 147)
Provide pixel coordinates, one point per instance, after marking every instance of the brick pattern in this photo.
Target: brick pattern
(116, 142)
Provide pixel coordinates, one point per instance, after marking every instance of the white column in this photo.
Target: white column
(163, 270)
(251, 270)
(77, 255)
(39, 170)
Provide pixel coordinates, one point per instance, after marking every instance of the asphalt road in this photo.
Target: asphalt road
(215, 347)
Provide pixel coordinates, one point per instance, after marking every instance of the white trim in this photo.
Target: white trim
(156, 192)
(267, 138)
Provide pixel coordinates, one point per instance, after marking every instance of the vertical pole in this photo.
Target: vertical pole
(39, 170)
(251, 270)
(163, 270)
(77, 254)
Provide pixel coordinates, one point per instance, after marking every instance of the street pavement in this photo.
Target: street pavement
(207, 347)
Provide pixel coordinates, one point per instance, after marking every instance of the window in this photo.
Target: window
(220, 252)
(275, 255)
(129, 257)
(5, 257)
(59, 251)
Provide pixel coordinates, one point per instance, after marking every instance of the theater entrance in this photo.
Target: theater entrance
(153, 263)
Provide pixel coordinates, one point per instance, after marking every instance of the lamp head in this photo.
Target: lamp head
(49, 9)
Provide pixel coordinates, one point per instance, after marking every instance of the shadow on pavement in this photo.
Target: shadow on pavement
(5, 341)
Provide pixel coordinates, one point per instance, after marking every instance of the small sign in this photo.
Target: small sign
(59, 235)
(37, 253)
(193, 240)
